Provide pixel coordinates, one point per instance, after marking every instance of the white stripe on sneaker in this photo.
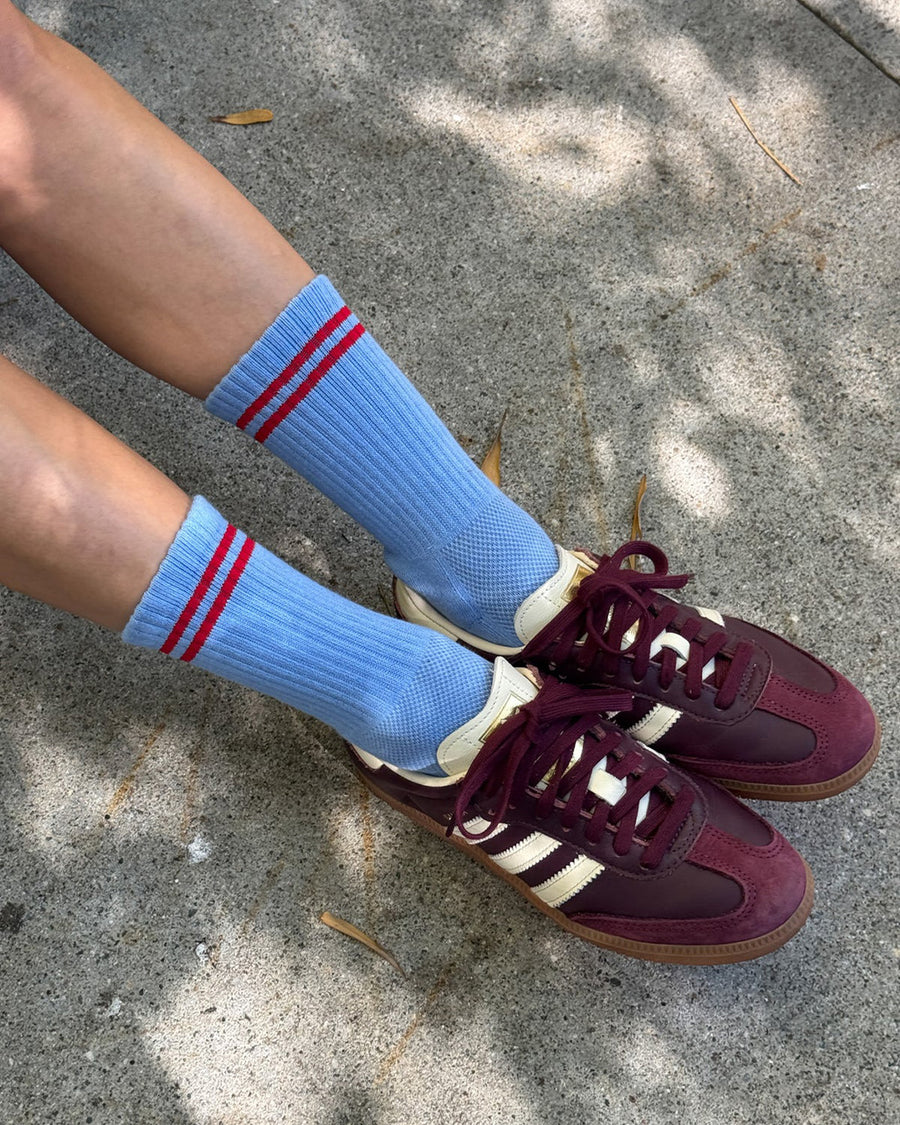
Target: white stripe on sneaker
(527, 853)
(521, 857)
(561, 887)
(654, 724)
(710, 615)
(478, 824)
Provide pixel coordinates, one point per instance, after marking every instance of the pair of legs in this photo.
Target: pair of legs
(153, 251)
(159, 256)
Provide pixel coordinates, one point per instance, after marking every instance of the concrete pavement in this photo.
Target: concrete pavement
(548, 206)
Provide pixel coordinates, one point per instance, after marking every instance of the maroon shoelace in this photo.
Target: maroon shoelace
(537, 744)
(585, 640)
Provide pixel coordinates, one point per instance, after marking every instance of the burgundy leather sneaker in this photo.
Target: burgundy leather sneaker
(717, 695)
(600, 833)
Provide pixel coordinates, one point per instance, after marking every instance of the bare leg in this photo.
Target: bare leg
(124, 224)
(87, 525)
(137, 236)
(84, 521)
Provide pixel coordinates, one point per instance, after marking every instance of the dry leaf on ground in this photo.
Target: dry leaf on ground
(245, 117)
(350, 930)
(636, 532)
(490, 466)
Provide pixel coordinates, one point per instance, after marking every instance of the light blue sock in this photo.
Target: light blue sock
(319, 392)
(229, 605)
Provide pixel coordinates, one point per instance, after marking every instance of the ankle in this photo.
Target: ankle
(450, 685)
(479, 579)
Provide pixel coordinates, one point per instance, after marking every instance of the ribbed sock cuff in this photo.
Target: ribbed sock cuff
(275, 354)
(323, 396)
(180, 572)
(229, 605)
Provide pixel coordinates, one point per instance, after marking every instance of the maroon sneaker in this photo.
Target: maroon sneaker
(717, 695)
(600, 833)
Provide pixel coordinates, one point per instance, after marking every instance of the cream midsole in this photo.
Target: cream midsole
(413, 607)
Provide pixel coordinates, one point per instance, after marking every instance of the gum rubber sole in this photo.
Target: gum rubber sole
(725, 954)
(815, 791)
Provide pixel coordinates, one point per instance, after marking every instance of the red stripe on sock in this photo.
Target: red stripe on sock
(220, 601)
(322, 368)
(292, 368)
(206, 580)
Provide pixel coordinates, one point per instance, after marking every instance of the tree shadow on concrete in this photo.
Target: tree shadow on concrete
(553, 212)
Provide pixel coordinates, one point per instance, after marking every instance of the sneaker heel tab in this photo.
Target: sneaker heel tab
(510, 688)
(539, 608)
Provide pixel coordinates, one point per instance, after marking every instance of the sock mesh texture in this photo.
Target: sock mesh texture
(229, 605)
(320, 393)
(480, 577)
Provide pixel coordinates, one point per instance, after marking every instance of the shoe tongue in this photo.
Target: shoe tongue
(548, 600)
(510, 688)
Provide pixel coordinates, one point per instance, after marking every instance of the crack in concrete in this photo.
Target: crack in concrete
(397, 1051)
(265, 890)
(367, 835)
(724, 271)
(832, 24)
(123, 791)
(192, 781)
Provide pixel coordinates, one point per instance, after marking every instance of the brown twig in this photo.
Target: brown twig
(764, 147)
(636, 532)
(344, 927)
(490, 466)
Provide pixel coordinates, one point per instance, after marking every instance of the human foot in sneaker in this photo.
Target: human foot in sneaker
(600, 833)
(719, 696)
